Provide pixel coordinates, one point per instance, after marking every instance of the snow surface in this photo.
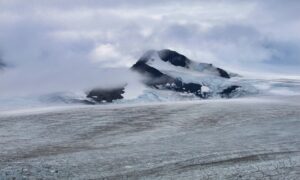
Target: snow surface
(243, 138)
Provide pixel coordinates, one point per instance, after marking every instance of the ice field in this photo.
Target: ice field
(211, 139)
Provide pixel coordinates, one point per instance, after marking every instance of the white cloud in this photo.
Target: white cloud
(104, 52)
(108, 55)
(51, 36)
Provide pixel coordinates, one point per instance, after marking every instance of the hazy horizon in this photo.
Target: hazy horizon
(78, 44)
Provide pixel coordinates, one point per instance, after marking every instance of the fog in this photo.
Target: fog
(68, 45)
(22, 82)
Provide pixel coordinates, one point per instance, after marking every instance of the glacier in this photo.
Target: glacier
(240, 138)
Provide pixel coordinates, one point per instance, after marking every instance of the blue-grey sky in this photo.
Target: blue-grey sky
(55, 38)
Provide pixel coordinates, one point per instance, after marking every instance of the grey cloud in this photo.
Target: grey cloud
(285, 53)
(78, 30)
(47, 38)
(91, 3)
(234, 45)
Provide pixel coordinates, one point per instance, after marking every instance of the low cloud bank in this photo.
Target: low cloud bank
(75, 45)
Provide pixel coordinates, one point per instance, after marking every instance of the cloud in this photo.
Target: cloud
(109, 55)
(56, 39)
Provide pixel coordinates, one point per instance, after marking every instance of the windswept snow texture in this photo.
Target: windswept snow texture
(254, 138)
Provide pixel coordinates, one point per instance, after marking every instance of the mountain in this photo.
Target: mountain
(168, 70)
(168, 59)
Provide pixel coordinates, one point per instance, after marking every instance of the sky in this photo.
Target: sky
(60, 41)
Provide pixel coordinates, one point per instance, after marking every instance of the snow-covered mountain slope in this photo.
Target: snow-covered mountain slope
(168, 75)
(171, 61)
(169, 70)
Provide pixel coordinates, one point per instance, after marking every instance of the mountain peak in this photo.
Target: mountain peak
(166, 57)
(169, 70)
(147, 56)
(174, 58)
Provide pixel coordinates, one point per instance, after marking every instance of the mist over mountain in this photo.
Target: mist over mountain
(72, 47)
(241, 36)
(168, 70)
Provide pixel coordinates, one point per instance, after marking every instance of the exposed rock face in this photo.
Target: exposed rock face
(174, 58)
(160, 80)
(189, 88)
(223, 73)
(145, 69)
(177, 59)
(179, 86)
(228, 92)
(106, 95)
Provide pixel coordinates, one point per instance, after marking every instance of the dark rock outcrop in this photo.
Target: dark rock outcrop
(100, 95)
(145, 69)
(179, 86)
(174, 58)
(223, 73)
(229, 92)
(188, 88)
(159, 80)
(177, 59)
